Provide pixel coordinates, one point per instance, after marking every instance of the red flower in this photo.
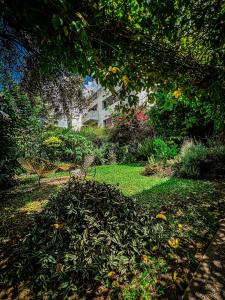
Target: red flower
(141, 116)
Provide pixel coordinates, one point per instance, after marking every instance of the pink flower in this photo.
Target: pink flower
(141, 116)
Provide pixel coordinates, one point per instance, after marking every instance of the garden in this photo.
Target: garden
(124, 211)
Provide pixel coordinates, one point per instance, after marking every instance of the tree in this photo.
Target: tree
(62, 93)
(20, 131)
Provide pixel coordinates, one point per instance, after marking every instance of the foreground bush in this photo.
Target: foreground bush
(88, 230)
(199, 161)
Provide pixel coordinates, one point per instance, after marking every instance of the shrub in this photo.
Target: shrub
(66, 145)
(158, 168)
(86, 231)
(200, 161)
(53, 146)
(105, 154)
(97, 135)
(163, 150)
(146, 148)
(130, 127)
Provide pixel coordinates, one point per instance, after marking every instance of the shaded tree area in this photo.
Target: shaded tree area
(131, 43)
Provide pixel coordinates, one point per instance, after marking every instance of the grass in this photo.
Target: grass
(196, 203)
(150, 189)
(192, 209)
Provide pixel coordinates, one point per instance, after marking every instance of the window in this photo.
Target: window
(109, 101)
(107, 122)
(94, 108)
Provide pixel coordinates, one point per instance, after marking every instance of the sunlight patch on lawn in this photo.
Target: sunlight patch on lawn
(34, 206)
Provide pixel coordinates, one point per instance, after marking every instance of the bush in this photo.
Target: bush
(155, 167)
(163, 150)
(97, 135)
(146, 148)
(66, 145)
(202, 162)
(86, 231)
(52, 147)
(105, 154)
(130, 127)
(157, 148)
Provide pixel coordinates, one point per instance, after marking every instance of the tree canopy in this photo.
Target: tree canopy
(131, 43)
(145, 37)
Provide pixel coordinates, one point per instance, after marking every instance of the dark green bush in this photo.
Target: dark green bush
(19, 134)
(146, 148)
(183, 114)
(86, 231)
(202, 162)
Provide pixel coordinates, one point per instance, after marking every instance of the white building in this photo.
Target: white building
(102, 105)
(76, 122)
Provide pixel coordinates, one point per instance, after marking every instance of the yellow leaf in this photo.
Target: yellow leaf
(176, 278)
(125, 80)
(145, 258)
(177, 93)
(199, 245)
(111, 274)
(155, 248)
(114, 70)
(57, 225)
(180, 226)
(161, 216)
(174, 243)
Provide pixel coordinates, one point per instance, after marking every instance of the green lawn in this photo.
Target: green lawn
(153, 190)
(200, 202)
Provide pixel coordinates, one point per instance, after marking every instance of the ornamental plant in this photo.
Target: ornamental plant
(52, 147)
(86, 231)
(66, 145)
(130, 127)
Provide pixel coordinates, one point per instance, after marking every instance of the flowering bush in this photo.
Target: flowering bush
(130, 127)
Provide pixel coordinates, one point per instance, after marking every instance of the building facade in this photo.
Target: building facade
(98, 113)
(102, 105)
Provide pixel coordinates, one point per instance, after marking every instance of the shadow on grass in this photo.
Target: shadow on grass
(18, 205)
(202, 203)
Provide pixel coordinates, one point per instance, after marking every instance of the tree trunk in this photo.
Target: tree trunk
(69, 121)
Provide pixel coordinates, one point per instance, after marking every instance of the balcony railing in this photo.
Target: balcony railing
(91, 115)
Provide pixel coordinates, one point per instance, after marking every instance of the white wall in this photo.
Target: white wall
(76, 122)
(102, 114)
